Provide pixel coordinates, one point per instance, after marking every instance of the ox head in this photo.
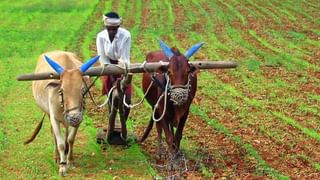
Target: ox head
(180, 72)
(71, 89)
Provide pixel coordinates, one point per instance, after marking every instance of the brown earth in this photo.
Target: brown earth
(217, 152)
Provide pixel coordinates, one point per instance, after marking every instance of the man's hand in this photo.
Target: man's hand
(122, 63)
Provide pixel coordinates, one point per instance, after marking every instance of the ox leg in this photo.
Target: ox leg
(178, 134)
(171, 145)
(60, 145)
(71, 138)
(160, 148)
(66, 149)
(55, 151)
(169, 137)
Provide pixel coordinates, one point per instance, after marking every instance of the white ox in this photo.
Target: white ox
(62, 100)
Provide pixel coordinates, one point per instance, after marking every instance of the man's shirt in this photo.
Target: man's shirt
(119, 48)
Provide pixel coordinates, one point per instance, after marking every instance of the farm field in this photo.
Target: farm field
(258, 121)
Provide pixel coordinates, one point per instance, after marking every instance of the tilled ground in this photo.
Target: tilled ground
(210, 153)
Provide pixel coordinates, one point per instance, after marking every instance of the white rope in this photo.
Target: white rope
(137, 104)
(106, 101)
(126, 71)
(165, 102)
(88, 88)
(144, 96)
(113, 87)
(144, 66)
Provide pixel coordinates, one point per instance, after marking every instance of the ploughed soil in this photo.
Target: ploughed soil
(208, 153)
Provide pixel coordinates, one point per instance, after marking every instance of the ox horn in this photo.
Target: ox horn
(54, 65)
(167, 51)
(84, 67)
(193, 50)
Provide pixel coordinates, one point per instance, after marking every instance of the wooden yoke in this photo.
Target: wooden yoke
(133, 68)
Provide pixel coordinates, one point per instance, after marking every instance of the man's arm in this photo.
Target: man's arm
(100, 51)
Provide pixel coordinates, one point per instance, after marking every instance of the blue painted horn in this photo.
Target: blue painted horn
(54, 65)
(193, 50)
(167, 51)
(88, 64)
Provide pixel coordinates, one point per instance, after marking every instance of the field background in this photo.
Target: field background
(259, 121)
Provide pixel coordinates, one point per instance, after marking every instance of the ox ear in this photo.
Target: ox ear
(167, 51)
(193, 50)
(54, 65)
(88, 64)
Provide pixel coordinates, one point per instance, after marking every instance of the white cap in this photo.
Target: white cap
(111, 21)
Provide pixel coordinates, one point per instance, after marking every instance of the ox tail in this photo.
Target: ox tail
(35, 132)
(147, 131)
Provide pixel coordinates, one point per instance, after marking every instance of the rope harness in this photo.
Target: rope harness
(141, 101)
(178, 95)
(165, 95)
(65, 111)
(126, 70)
(74, 119)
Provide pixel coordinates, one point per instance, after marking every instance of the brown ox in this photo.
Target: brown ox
(62, 100)
(170, 94)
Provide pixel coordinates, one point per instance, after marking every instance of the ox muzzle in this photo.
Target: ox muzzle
(74, 119)
(73, 116)
(179, 94)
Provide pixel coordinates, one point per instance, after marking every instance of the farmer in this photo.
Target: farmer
(113, 44)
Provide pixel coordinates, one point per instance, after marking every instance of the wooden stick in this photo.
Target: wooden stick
(38, 76)
(133, 68)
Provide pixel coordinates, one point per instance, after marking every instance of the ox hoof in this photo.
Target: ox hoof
(63, 170)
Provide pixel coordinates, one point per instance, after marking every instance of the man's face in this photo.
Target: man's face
(112, 31)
